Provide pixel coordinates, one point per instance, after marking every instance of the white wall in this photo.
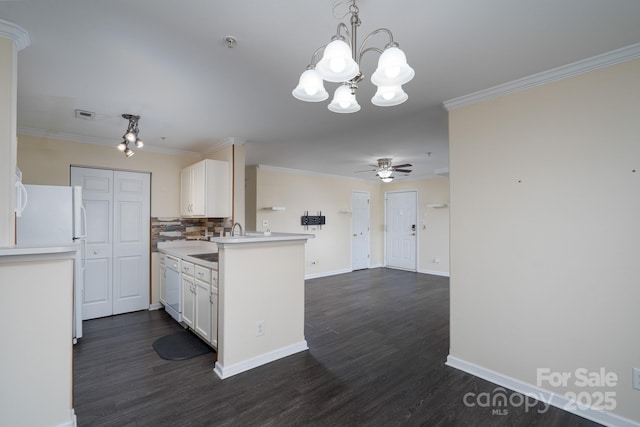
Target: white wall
(545, 211)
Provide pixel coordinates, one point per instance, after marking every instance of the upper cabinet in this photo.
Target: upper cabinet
(205, 190)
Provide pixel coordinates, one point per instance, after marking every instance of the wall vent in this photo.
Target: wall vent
(85, 115)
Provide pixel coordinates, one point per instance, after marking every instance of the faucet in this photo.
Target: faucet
(234, 227)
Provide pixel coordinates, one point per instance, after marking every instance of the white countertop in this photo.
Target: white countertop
(185, 248)
(260, 237)
(27, 253)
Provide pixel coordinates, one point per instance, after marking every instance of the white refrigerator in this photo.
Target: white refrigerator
(55, 215)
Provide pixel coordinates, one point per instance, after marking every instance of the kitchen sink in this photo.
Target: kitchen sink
(210, 257)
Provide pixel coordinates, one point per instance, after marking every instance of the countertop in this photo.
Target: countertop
(260, 237)
(183, 250)
(27, 253)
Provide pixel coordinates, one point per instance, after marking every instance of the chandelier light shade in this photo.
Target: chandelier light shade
(131, 135)
(340, 63)
(344, 101)
(311, 87)
(388, 96)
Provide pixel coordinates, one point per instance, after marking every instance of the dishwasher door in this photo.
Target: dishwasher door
(174, 290)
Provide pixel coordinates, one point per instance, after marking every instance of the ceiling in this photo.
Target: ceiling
(166, 60)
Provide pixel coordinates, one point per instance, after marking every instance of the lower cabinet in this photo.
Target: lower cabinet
(203, 310)
(200, 301)
(163, 280)
(188, 300)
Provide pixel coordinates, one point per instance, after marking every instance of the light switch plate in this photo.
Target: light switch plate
(265, 223)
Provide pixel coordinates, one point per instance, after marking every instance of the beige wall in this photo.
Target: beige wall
(545, 207)
(433, 222)
(300, 192)
(47, 161)
(331, 249)
(36, 306)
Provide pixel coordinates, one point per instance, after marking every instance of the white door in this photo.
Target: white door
(360, 230)
(401, 229)
(131, 246)
(116, 278)
(97, 197)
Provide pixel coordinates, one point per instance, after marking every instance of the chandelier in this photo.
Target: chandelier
(131, 135)
(340, 63)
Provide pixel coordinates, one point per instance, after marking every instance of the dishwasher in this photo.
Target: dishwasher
(174, 291)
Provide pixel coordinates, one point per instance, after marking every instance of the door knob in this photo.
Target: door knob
(355, 235)
(95, 252)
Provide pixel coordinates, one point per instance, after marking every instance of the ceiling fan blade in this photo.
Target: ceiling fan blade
(402, 170)
(406, 165)
(368, 170)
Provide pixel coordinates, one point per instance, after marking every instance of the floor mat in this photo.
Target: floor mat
(180, 346)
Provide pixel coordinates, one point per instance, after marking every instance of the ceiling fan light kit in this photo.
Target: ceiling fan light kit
(340, 63)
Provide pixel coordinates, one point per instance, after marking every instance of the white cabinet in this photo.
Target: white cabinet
(163, 279)
(214, 310)
(205, 190)
(203, 310)
(188, 300)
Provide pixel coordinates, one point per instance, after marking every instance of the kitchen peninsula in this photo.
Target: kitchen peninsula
(261, 299)
(257, 290)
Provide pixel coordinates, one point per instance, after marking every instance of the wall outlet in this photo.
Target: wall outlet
(314, 262)
(259, 328)
(265, 223)
(636, 378)
(436, 260)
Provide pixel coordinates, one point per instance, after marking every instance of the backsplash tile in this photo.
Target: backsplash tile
(169, 229)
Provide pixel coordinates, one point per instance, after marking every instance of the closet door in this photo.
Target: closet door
(118, 240)
(131, 245)
(97, 197)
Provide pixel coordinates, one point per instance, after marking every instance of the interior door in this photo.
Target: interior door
(131, 241)
(116, 278)
(401, 229)
(360, 230)
(97, 196)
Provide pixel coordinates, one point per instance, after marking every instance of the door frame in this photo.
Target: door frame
(386, 222)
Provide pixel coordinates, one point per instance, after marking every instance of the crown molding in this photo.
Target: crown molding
(607, 59)
(225, 142)
(98, 141)
(305, 172)
(14, 32)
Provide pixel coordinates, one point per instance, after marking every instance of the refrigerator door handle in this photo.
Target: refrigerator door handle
(21, 198)
(83, 251)
(83, 225)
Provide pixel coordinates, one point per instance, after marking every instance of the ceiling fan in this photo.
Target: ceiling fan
(384, 169)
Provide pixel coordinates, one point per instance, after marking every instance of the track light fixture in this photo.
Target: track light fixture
(340, 63)
(131, 135)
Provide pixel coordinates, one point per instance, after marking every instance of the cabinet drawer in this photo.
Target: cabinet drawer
(187, 268)
(163, 259)
(203, 274)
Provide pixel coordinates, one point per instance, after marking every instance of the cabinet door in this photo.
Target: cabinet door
(185, 191)
(214, 311)
(198, 189)
(203, 310)
(163, 284)
(188, 300)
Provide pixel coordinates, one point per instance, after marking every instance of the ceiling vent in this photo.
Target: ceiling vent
(85, 115)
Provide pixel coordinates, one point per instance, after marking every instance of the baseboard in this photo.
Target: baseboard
(73, 421)
(156, 306)
(540, 394)
(376, 266)
(435, 273)
(326, 274)
(228, 371)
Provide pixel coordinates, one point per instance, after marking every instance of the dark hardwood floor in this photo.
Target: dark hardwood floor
(378, 340)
